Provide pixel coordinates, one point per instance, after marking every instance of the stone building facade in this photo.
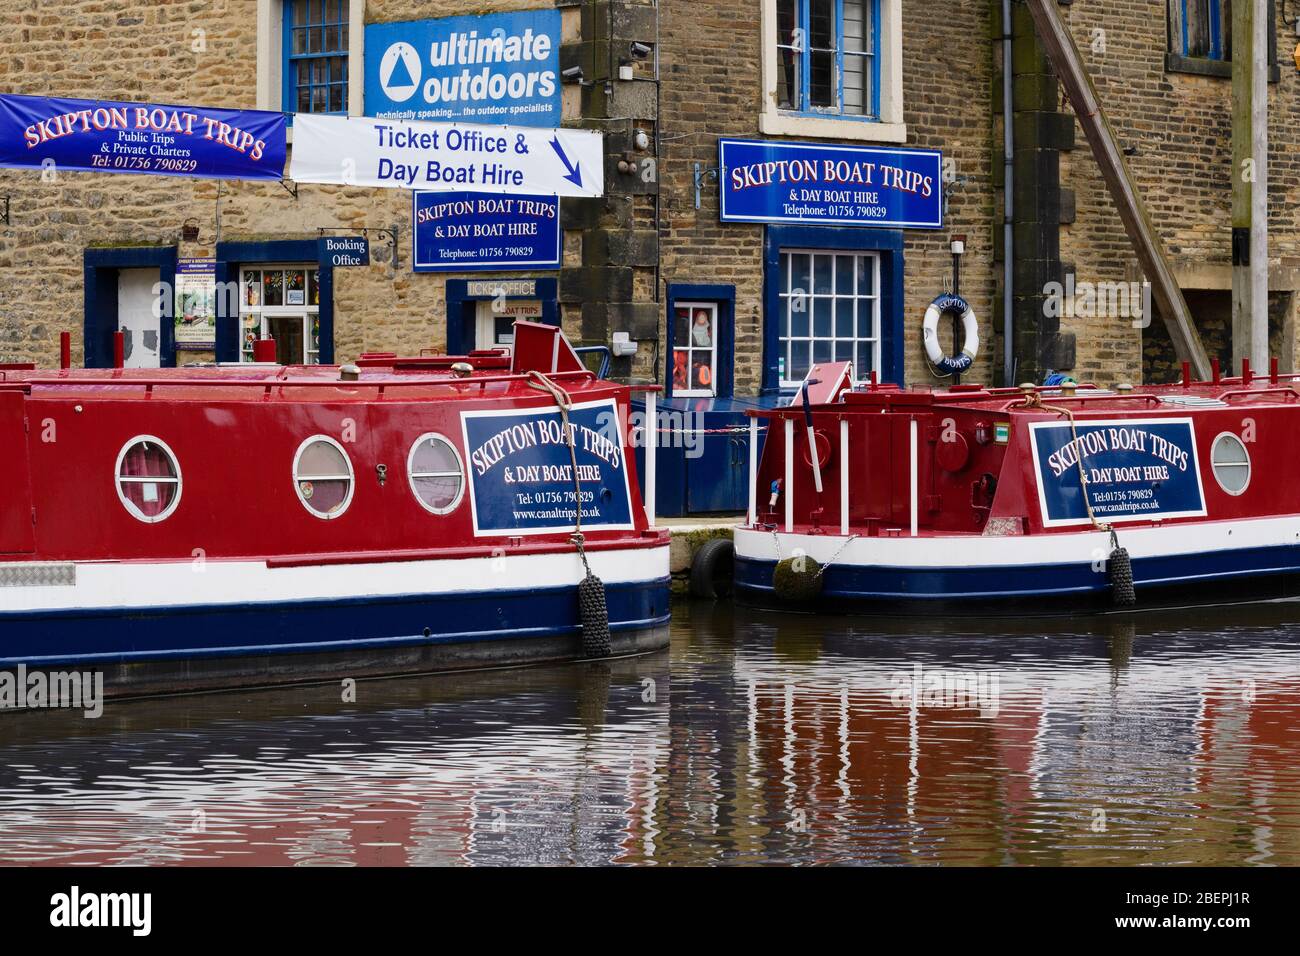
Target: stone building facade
(664, 81)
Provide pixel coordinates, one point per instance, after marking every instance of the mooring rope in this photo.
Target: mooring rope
(591, 590)
(1119, 565)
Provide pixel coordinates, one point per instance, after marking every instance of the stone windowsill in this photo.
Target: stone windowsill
(1200, 66)
(776, 123)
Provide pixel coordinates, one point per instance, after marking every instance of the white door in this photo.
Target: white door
(137, 318)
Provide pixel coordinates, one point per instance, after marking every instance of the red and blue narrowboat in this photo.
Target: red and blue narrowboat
(1039, 499)
(192, 528)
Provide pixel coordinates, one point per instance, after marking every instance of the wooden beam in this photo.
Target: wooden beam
(1150, 249)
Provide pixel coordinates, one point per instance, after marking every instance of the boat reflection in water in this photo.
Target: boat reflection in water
(1144, 738)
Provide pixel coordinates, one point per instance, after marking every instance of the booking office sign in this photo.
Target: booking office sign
(1136, 470)
(497, 68)
(521, 472)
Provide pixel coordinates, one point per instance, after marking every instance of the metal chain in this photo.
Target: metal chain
(847, 542)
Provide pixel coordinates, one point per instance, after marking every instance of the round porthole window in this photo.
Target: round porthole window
(436, 474)
(148, 479)
(1231, 463)
(322, 477)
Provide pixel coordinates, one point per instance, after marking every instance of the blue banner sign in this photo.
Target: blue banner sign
(830, 185)
(499, 68)
(344, 250)
(1136, 470)
(107, 137)
(466, 232)
(521, 475)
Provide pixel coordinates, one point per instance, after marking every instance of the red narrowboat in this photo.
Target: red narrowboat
(182, 529)
(1037, 499)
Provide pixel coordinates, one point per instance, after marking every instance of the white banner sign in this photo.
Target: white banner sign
(446, 157)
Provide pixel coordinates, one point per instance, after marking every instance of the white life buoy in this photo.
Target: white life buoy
(930, 334)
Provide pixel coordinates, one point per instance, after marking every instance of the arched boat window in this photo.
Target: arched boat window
(322, 477)
(436, 474)
(148, 479)
(1231, 463)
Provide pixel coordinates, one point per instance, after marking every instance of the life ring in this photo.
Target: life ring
(930, 334)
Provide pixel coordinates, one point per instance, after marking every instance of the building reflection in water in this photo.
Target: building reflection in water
(1158, 738)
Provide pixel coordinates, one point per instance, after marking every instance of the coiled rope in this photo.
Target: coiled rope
(592, 606)
(1119, 567)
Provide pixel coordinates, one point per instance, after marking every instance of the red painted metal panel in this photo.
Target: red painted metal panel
(17, 536)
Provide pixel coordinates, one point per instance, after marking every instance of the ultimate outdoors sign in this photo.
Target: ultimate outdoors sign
(485, 68)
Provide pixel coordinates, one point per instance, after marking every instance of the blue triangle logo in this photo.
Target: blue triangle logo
(400, 76)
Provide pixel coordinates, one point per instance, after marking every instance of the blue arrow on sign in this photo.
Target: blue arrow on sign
(575, 170)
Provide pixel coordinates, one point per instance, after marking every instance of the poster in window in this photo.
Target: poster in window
(694, 335)
(196, 304)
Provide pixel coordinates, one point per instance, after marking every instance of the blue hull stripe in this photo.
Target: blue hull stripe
(207, 631)
(1025, 581)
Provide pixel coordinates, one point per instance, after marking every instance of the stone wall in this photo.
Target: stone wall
(1176, 129)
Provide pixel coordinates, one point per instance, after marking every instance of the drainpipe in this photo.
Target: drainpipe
(1008, 177)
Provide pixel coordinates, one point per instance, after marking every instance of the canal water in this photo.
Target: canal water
(1167, 737)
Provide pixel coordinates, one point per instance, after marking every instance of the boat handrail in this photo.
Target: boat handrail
(1237, 392)
(149, 384)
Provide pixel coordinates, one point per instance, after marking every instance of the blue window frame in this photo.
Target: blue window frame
(315, 56)
(883, 345)
(828, 61)
(1201, 29)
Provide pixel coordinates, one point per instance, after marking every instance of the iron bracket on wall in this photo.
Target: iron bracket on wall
(700, 174)
(4, 210)
(291, 190)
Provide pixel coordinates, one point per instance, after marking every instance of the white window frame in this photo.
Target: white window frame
(889, 128)
(691, 348)
(118, 478)
(859, 375)
(351, 478)
(309, 356)
(411, 474)
(1216, 465)
(270, 67)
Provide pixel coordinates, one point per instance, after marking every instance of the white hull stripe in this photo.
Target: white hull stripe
(979, 551)
(135, 584)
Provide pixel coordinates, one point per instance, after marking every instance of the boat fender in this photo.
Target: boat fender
(797, 578)
(595, 616)
(948, 302)
(1120, 570)
(712, 568)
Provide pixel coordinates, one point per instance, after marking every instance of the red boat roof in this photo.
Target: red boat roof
(496, 372)
(1087, 400)
(303, 383)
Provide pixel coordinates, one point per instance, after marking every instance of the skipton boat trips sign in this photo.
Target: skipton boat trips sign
(109, 137)
(495, 68)
(521, 474)
(459, 231)
(446, 157)
(815, 183)
(1137, 469)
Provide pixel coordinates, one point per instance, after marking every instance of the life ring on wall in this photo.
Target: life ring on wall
(930, 334)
